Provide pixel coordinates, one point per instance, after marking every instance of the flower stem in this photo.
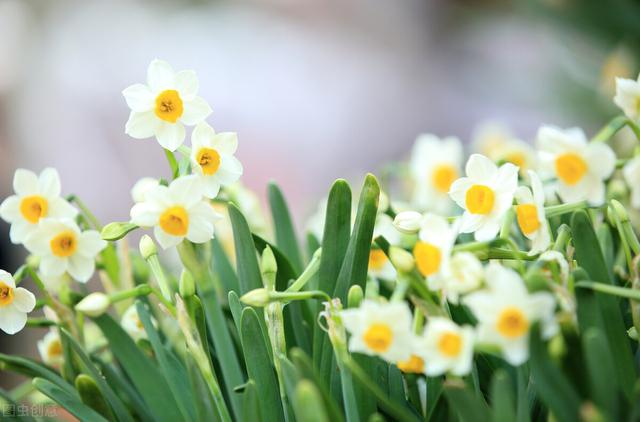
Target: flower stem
(85, 211)
(307, 274)
(555, 210)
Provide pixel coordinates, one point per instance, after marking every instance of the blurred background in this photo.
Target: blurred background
(315, 89)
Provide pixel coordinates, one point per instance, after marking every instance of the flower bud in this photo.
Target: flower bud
(269, 267)
(401, 259)
(617, 207)
(354, 297)
(257, 297)
(187, 285)
(147, 247)
(93, 305)
(408, 222)
(116, 231)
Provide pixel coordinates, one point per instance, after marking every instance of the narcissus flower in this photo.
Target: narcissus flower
(63, 247)
(142, 186)
(50, 349)
(165, 105)
(435, 164)
(176, 212)
(631, 172)
(36, 197)
(462, 274)
(212, 158)
(506, 312)
(132, 324)
(628, 97)
(485, 194)
(382, 329)
(498, 143)
(446, 347)
(531, 216)
(580, 167)
(15, 304)
(434, 244)
(380, 266)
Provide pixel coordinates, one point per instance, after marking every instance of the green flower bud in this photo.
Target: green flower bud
(354, 297)
(94, 305)
(116, 231)
(257, 297)
(269, 268)
(187, 285)
(147, 247)
(401, 259)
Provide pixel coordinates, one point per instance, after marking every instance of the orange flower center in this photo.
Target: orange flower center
(414, 365)
(378, 337)
(169, 106)
(209, 160)
(450, 344)
(64, 244)
(443, 176)
(175, 221)
(570, 168)
(428, 258)
(527, 215)
(512, 323)
(33, 208)
(377, 259)
(6, 294)
(479, 199)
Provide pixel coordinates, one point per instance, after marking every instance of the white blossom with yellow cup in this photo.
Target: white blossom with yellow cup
(506, 311)
(462, 274)
(530, 215)
(446, 347)
(382, 329)
(496, 141)
(132, 325)
(15, 304)
(580, 167)
(36, 197)
(177, 212)
(435, 164)
(628, 97)
(212, 158)
(50, 349)
(435, 240)
(486, 194)
(163, 106)
(63, 247)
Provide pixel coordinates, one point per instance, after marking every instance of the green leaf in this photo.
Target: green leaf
(502, 399)
(69, 401)
(117, 230)
(251, 402)
(143, 373)
(246, 261)
(221, 266)
(173, 163)
(236, 308)
(590, 257)
(91, 395)
(600, 366)
(120, 411)
(286, 271)
(283, 226)
(174, 372)
(259, 366)
(111, 263)
(551, 385)
(33, 369)
(465, 402)
(307, 403)
(609, 289)
(7, 400)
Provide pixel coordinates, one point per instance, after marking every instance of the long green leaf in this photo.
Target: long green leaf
(600, 367)
(283, 226)
(33, 369)
(465, 402)
(246, 261)
(251, 403)
(307, 403)
(91, 395)
(503, 402)
(222, 268)
(143, 373)
(70, 402)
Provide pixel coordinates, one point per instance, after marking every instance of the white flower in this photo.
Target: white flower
(408, 222)
(62, 247)
(435, 164)
(580, 167)
(380, 266)
(50, 349)
(382, 329)
(462, 274)
(496, 141)
(94, 304)
(433, 248)
(446, 347)
(142, 186)
(631, 172)
(628, 97)
(132, 325)
(163, 106)
(531, 216)
(506, 311)
(485, 194)
(15, 303)
(36, 197)
(176, 212)
(54, 283)
(212, 158)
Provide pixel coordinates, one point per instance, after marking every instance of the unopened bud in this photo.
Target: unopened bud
(408, 222)
(269, 267)
(257, 297)
(147, 247)
(187, 285)
(354, 297)
(116, 231)
(402, 260)
(93, 305)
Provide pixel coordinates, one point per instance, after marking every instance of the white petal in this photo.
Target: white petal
(195, 111)
(601, 160)
(81, 268)
(480, 168)
(139, 98)
(471, 222)
(90, 244)
(12, 320)
(523, 195)
(52, 266)
(211, 187)
(226, 142)
(141, 125)
(458, 191)
(164, 239)
(481, 304)
(144, 215)
(59, 208)
(20, 230)
(160, 76)
(24, 300)
(202, 135)
(49, 182)
(516, 352)
(507, 178)
(25, 182)
(7, 278)
(170, 135)
(10, 209)
(230, 170)
(186, 190)
(200, 230)
(596, 192)
(488, 231)
(187, 84)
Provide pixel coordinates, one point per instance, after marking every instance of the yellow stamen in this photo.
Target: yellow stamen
(443, 176)
(377, 259)
(6, 294)
(570, 168)
(209, 160)
(378, 337)
(528, 220)
(33, 208)
(479, 199)
(512, 323)
(414, 365)
(55, 348)
(169, 106)
(64, 244)
(428, 258)
(450, 344)
(175, 221)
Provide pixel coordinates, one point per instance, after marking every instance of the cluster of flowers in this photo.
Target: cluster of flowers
(57, 234)
(575, 172)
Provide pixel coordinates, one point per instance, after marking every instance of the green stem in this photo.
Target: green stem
(562, 238)
(85, 211)
(505, 230)
(308, 273)
(610, 289)
(555, 210)
(287, 296)
(610, 129)
(161, 277)
(173, 163)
